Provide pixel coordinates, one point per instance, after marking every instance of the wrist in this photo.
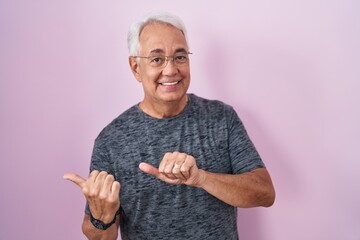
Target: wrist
(103, 217)
(108, 219)
(102, 224)
(202, 178)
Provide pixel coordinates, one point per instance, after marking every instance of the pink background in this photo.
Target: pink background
(290, 68)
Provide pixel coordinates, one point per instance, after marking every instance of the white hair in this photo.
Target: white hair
(152, 17)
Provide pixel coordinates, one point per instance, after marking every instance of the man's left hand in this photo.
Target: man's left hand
(176, 168)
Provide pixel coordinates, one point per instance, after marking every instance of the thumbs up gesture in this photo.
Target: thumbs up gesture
(101, 192)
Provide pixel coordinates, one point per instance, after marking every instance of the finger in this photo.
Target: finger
(187, 165)
(108, 181)
(177, 166)
(163, 162)
(93, 175)
(78, 180)
(96, 185)
(100, 178)
(179, 175)
(147, 168)
(170, 164)
(115, 188)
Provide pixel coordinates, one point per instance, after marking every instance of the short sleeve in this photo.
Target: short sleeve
(100, 159)
(243, 154)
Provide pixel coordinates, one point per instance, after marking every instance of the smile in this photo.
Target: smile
(169, 83)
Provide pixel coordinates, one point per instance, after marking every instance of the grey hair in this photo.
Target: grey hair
(152, 17)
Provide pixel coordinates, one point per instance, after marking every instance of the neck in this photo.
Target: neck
(164, 109)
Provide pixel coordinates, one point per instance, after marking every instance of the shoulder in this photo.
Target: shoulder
(120, 123)
(210, 107)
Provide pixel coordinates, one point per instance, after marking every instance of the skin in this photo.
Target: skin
(245, 190)
(162, 101)
(102, 193)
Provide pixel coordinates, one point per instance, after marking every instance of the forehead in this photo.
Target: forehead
(161, 37)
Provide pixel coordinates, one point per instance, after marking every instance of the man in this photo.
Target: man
(184, 163)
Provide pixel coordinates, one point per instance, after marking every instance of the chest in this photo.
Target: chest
(207, 142)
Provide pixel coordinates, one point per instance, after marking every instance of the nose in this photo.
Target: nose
(170, 68)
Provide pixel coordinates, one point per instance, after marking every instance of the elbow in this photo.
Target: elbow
(264, 198)
(269, 198)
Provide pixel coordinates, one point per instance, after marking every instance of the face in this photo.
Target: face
(170, 83)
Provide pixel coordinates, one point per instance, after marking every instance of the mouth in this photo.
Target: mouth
(170, 83)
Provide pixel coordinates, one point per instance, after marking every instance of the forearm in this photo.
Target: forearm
(93, 233)
(245, 190)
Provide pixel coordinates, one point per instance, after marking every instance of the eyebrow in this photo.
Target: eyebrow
(158, 50)
(181, 50)
(178, 50)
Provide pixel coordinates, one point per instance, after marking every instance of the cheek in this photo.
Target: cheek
(148, 75)
(186, 74)
(150, 80)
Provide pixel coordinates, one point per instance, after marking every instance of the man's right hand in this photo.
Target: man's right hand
(101, 192)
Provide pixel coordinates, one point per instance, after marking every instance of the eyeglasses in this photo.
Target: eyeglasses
(160, 61)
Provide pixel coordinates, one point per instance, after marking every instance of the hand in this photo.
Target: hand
(102, 193)
(176, 168)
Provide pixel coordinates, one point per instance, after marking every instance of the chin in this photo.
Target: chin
(173, 97)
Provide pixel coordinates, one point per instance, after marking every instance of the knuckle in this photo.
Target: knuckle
(113, 200)
(85, 191)
(184, 169)
(94, 173)
(102, 196)
(110, 177)
(91, 195)
(117, 184)
(191, 159)
(93, 192)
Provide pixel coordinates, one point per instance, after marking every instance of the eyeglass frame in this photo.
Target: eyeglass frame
(167, 58)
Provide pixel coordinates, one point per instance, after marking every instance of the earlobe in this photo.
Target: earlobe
(134, 65)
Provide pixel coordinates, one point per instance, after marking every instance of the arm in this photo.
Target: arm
(250, 189)
(93, 233)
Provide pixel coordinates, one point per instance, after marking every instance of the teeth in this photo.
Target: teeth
(169, 84)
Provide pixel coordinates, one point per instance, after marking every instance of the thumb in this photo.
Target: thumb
(78, 180)
(147, 168)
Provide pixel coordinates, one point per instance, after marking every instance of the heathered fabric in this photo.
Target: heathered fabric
(208, 130)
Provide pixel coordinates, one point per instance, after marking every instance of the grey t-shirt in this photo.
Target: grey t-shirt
(208, 130)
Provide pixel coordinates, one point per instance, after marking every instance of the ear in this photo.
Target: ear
(135, 68)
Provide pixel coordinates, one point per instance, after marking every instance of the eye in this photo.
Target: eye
(156, 60)
(180, 58)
